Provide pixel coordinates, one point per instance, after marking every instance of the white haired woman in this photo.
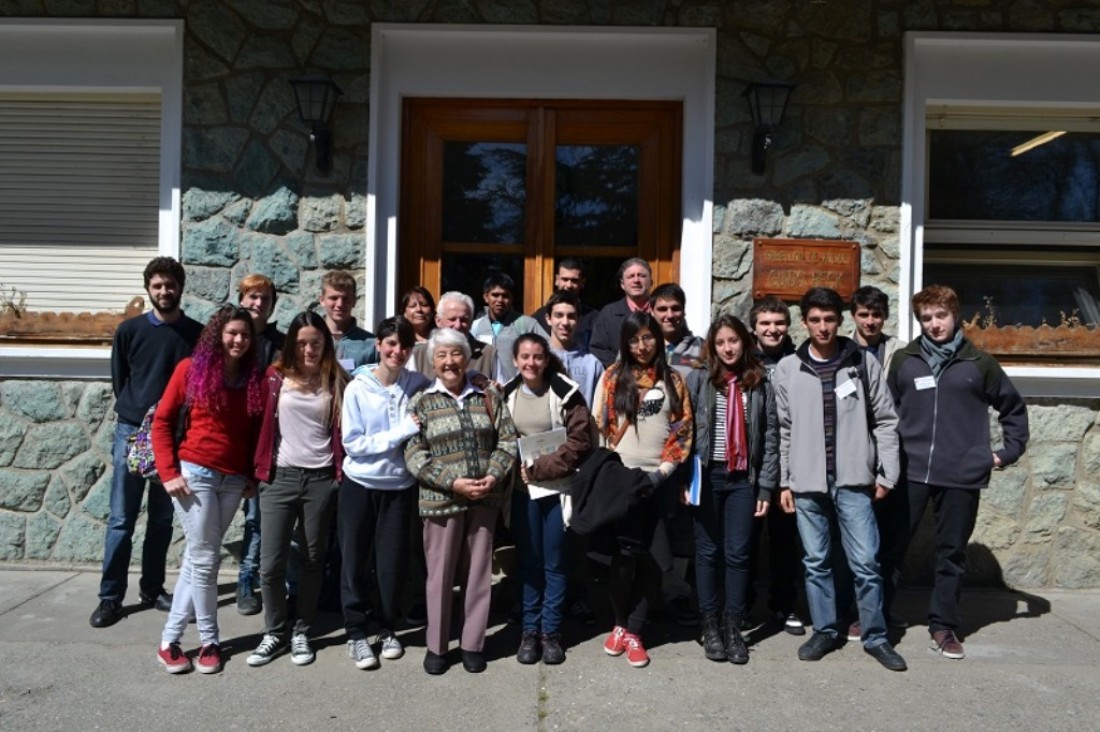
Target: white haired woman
(461, 456)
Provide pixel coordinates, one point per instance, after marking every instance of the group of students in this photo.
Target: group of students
(596, 431)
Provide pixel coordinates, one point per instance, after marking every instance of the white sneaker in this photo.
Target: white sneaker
(391, 647)
(360, 652)
(300, 651)
(270, 647)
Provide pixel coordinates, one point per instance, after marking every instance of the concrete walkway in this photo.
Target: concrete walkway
(1032, 663)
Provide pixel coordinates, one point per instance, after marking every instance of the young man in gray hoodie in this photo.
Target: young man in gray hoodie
(834, 409)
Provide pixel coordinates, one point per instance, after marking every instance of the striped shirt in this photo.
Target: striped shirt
(826, 371)
(718, 429)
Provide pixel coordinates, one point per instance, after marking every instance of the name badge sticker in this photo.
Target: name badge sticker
(843, 390)
(924, 382)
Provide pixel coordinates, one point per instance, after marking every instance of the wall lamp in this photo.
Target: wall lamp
(316, 96)
(768, 104)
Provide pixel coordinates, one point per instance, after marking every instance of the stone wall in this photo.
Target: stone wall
(253, 202)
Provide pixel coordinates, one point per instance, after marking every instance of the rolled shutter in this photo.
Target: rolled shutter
(79, 198)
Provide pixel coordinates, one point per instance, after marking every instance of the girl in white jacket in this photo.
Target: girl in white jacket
(378, 493)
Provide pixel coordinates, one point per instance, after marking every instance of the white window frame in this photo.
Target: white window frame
(546, 63)
(995, 71)
(80, 56)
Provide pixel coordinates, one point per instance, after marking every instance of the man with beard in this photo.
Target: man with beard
(144, 354)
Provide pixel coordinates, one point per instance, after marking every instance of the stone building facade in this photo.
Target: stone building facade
(251, 201)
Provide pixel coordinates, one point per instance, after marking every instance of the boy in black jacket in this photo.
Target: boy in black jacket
(943, 387)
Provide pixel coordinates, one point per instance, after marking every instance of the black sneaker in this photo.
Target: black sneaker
(248, 602)
(160, 599)
(581, 611)
(434, 664)
(473, 661)
(529, 649)
(106, 614)
(817, 647)
(683, 612)
(713, 647)
(887, 656)
(552, 652)
(736, 649)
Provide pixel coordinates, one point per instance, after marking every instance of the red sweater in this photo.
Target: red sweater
(222, 441)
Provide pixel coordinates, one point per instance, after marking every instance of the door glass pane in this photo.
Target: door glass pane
(974, 176)
(596, 196)
(467, 273)
(484, 192)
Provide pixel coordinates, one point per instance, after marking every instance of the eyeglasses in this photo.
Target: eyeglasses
(647, 340)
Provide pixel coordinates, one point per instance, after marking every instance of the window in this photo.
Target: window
(90, 144)
(1013, 224)
(512, 186)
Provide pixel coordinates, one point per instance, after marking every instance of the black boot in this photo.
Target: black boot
(713, 646)
(736, 650)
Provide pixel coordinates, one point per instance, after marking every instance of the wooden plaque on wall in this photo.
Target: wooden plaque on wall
(786, 268)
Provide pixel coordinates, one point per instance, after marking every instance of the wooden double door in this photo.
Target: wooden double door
(512, 186)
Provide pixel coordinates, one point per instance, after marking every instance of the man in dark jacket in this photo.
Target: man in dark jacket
(635, 278)
(943, 388)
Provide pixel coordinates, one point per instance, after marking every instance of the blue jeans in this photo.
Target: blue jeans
(126, 494)
(204, 515)
(723, 540)
(250, 543)
(540, 542)
(851, 507)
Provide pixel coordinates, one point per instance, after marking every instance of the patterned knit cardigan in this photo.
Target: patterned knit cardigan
(460, 442)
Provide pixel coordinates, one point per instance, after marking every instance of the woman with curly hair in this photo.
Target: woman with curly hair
(643, 413)
(737, 443)
(219, 391)
(298, 465)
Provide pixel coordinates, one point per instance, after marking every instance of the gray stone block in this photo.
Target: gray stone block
(1047, 512)
(81, 540)
(257, 170)
(81, 473)
(209, 283)
(340, 49)
(302, 248)
(1077, 558)
(242, 91)
(996, 532)
(200, 64)
(56, 500)
(237, 212)
(39, 401)
(23, 489)
(341, 250)
(874, 86)
(203, 104)
(12, 431)
(812, 222)
(1052, 420)
(218, 28)
(94, 404)
(885, 219)
(212, 242)
(1053, 464)
(305, 37)
(275, 214)
(1086, 503)
(320, 214)
(1006, 491)
(98, 501)
(807, 160)
(267, 14)
(525, 12)
(747, 217)
(49, 445)
(1026, 569)
(271, 259)
(199, 204)
(1090, 454)
(12, 535)
(276, 102)
(731, 258)
(200, 310)
(215, 150)
(291, 147)
(41, 535)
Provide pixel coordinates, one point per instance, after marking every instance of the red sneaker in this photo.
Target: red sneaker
(172, 659)
(210, 659)
(615, 643)
(635, 651)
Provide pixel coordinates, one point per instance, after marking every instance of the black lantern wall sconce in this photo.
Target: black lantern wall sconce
(316, 96)
(768, 104)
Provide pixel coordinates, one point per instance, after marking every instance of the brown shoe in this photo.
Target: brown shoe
(946, 643)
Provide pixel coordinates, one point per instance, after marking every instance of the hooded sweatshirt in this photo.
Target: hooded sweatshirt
(376, 424)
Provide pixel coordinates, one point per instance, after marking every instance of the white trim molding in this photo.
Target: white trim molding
(545, 63)
(992, 71)
(99, 56)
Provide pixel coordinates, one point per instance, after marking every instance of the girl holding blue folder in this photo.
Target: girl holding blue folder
(737, 459)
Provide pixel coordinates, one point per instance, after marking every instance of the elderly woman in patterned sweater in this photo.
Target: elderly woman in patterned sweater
(461, 457)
